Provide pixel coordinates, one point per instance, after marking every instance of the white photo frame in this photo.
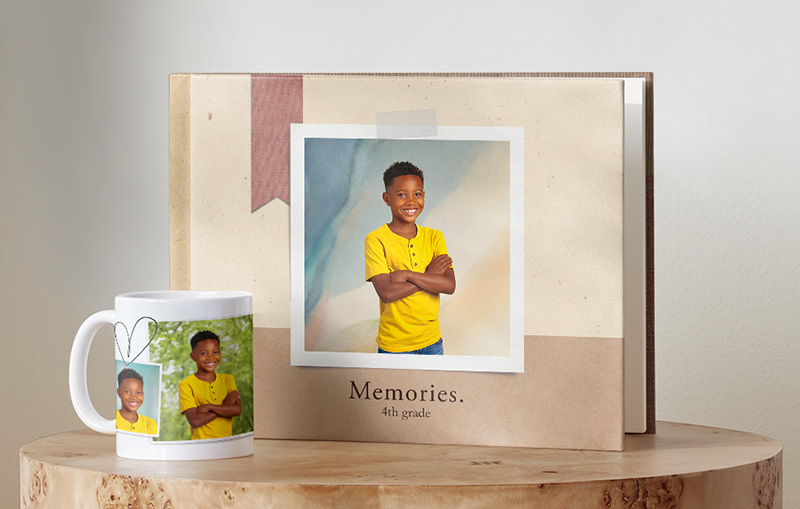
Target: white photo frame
(309, 142)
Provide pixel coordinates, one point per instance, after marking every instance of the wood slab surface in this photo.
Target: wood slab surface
(680, 466)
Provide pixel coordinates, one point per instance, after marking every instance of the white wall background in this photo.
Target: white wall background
(83, 155)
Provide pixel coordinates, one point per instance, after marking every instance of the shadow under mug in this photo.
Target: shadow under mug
(175, 400)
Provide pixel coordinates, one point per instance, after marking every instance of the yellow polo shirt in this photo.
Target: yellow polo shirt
(413, 322)
(195, 392)
(143, 424)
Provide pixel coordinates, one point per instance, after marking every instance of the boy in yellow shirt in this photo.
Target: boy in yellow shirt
(130, 389)
(208, 399)
(409, 267)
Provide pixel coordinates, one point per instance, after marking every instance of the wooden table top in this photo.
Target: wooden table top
(677, 458)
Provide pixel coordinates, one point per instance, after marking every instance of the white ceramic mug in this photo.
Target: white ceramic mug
(184, 374)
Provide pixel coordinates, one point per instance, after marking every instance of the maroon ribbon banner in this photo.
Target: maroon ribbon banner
(276, 101)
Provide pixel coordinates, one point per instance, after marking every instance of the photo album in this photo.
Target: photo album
(433, 258)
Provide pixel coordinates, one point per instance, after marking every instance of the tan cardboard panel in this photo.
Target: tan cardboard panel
(569, 397)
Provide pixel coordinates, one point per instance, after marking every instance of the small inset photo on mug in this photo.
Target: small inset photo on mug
(206, 378)
(138, 397)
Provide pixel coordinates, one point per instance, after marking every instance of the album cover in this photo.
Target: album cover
(277, 188)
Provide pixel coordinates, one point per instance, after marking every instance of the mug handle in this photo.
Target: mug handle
(78, 387)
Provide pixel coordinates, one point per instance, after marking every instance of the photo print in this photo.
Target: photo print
(472, 180)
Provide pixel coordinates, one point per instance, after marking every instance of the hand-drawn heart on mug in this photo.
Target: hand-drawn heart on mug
(129, 335)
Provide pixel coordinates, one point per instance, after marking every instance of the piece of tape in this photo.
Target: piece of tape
(406, 124)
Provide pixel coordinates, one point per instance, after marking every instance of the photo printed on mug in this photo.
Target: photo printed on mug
(206, 378)
(138, 397)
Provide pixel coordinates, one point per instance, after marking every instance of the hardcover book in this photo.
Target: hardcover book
(276, 188)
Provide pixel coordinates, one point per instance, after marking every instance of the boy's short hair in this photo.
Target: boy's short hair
(129, 373)
(399, 169)
(203, 336)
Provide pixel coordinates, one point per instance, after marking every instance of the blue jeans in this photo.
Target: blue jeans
(434, 349)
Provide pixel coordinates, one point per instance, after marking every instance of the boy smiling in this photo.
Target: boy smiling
(130, 389)
(208, 399)
(409, 267)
